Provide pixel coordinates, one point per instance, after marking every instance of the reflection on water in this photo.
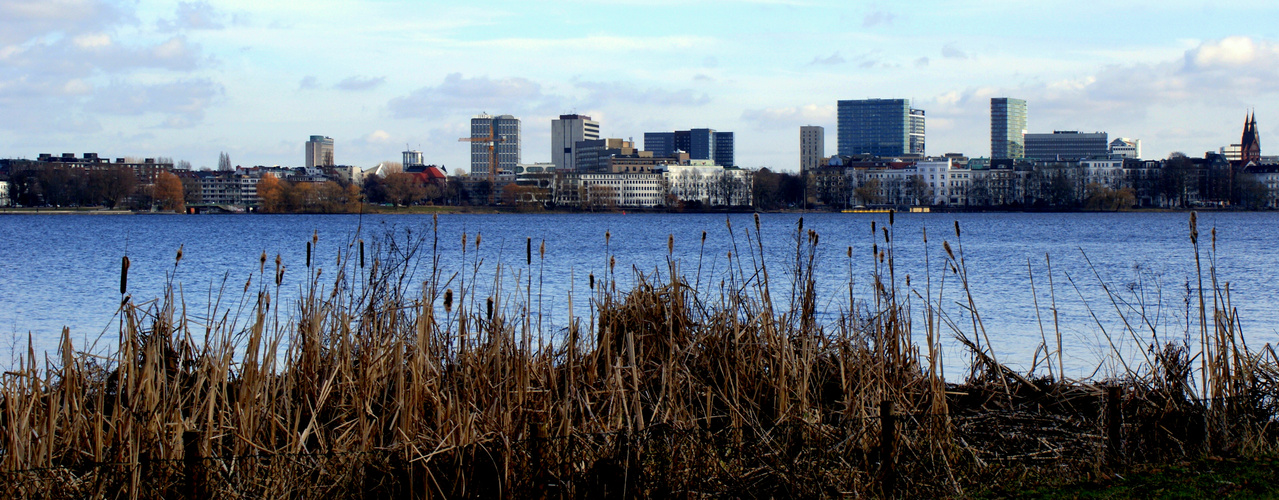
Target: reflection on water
(64, 270)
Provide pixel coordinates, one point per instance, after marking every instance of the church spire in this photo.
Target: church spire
(1250, 144)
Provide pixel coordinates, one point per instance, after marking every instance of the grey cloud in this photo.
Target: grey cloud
(921, 62)
(183, 102)
(877, 18)
(459, 94)
(360, 83)
(82, 55)
(827, 61)
(950, 51)
(601, 93)
(1230, 73)
(309, 82)
(872, 59)
(194, 16)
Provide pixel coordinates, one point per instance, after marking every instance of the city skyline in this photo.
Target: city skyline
(192, 80)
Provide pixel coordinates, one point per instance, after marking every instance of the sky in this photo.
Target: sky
(255, 79)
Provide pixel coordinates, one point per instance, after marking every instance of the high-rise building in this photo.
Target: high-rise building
(566, 131)
(505, 130)
(724, 147)
(917, 132)
(319, 151)
(699, 143)
(1007, 128)
(880, 127)
(812, 147)
(1066, 145)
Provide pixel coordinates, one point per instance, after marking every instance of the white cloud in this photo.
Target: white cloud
(1233, 52)
(789, 117)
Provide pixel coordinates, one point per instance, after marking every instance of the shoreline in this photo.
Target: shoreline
(452, 210)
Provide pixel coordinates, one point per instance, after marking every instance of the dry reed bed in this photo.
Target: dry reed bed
(391, 375)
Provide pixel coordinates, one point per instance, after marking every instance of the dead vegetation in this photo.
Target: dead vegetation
(393, 377)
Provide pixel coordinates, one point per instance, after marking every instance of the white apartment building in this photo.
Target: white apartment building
(948, 183)
(1106, 172)
(621, 190)
(1124, 147)
(702, 180)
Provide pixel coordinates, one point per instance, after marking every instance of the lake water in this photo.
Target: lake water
(63, 270)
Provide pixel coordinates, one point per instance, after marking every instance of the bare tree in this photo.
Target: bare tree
(224, 162)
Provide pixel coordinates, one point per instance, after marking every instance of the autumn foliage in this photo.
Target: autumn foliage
(168, 192)
(281, 196)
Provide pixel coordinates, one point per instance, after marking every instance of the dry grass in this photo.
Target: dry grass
(393, 376)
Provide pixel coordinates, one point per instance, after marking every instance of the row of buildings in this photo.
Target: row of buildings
(496, 144)
(956, 181)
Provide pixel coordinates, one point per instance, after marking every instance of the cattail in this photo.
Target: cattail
(308, 254)
(448, 301)
(703, 237)
(874, 249)
(801, 223)
(890, 216)
(1194, 229)
(607, 236)
(478, 236)
(757, 222)
(528, 251)
(1214, 239)
(946, 246)
(179, 258)
(872, 228)
(907, 281)
(592, 280)
(315, 237)
(885, 234)
(670, 244)
(612, 261)
(262, 262)
(247, 283)
(956, 228)
(361, 253)
(730, 255)
(489, 306)
(279, 270)
(925, 236)
(464, 241)
(850, 252)
(124, 274)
